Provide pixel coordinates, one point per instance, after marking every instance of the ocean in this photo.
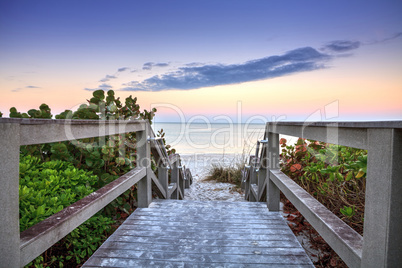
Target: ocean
(200, 145)
(203, 138)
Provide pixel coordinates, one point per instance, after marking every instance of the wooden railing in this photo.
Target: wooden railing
(381, 244)
(18, 249)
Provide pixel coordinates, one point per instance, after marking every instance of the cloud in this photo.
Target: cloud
(104, 86)
(150, 65)
(107, 78)
(185, 78)
(392, 37)
(21, 89)
(341, 46)
(122, 69)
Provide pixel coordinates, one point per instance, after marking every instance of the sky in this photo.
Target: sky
(248, 61)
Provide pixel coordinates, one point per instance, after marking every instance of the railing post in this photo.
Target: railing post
(175, 179)
(163, 177)
(262, 172)
(187, 182)
(273, 192)
(246, 182)
(382, 241)
(181, 180)
(9, 200)
(253, 178)
(144, 192)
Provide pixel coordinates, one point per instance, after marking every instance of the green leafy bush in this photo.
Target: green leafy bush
(48, 187)
(49, 184)
(107, 157)
(335, 175)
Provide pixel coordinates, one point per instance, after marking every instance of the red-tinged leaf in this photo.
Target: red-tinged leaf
(295, 167)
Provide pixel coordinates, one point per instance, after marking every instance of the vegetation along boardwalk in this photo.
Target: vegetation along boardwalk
(183, 233)
(180, 233)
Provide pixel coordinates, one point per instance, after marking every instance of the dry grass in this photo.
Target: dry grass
(229, 174)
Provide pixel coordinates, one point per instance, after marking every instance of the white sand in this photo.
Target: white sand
(199, 165)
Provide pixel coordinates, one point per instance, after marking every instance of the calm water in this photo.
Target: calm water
(203, 138)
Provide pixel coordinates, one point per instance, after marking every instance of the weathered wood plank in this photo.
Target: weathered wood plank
(269, 241)
(268, 224)
(172, 233)
(119, 262)
(255, 258)
(236, 247)
(158, 186)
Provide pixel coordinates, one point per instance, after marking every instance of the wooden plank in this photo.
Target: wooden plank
(273, 241)
(254, 190)
(258, 257)
(172, 233)
(171, 188)
(328, 132)
(36, 131)
(189, 178)
(145, 220)
(158, 186)
(119, 262)
(191, 245)
(180, 192)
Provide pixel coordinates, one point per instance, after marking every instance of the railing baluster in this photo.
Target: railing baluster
(273, 192)
(163, 177)
(253, 178)
(175, 179)
(246, 181)
(144, 160)
(262, 170)
(181, 180)
(9, 200)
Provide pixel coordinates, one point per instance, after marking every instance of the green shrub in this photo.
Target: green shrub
(92, 163)
(335, 175)
(48, 187)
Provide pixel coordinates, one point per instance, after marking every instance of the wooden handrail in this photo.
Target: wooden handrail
(381, 244)
(19, 249)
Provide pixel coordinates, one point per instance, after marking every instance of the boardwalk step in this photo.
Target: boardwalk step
(172, 233)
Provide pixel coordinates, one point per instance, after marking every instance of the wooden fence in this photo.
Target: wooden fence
(381, 244)
(18, 249)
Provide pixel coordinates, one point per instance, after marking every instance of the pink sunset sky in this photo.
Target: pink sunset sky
(212, 58)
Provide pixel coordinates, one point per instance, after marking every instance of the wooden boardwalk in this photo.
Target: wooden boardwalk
(183, 233)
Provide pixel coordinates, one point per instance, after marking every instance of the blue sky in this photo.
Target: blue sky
(206, 56)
